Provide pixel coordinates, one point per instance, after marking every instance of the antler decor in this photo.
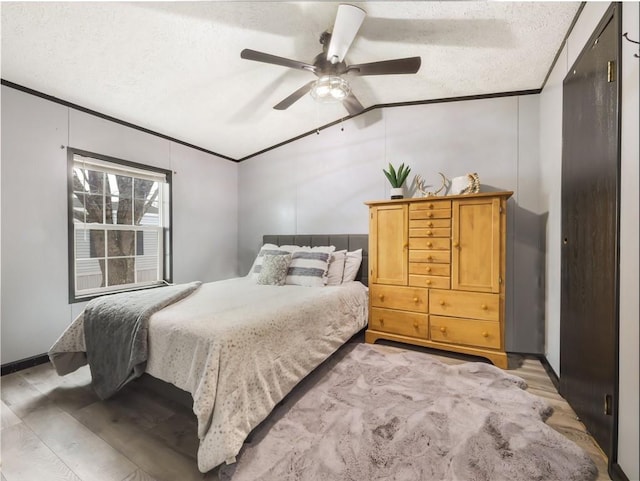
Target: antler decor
(421, 186)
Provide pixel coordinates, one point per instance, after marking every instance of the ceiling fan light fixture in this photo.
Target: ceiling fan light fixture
(330, 88)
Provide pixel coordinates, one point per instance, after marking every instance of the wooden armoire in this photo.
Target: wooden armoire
(437, 273)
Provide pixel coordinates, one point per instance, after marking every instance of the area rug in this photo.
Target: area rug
(375, 413)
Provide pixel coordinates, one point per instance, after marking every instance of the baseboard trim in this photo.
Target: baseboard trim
(16, 366)
(552, 374)
(616, 473)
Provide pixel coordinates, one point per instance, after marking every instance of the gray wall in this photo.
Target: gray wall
(319, 184)
(34, 284)
(550, 201)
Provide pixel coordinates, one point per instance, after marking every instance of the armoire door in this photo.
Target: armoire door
(389, 244)
(475, 245)
(590, 200)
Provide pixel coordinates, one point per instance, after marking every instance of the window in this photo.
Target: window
(119, 225)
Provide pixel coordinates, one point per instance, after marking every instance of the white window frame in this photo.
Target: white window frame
(109, 165)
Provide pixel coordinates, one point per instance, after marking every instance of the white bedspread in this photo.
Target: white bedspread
(238, 348)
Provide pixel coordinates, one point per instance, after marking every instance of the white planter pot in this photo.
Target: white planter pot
(397, 193)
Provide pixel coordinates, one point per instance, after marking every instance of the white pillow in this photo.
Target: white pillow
(309, 266)
(267, 249)
(351, 265)
(336, 268)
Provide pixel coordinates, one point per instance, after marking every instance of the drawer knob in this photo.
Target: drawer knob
(485, 334)
(429, 244)
(443, 329)
(428, 282)
(430, 206)
(428, 269)
(430, 224)
(381, 297)
(430, 214)
(381, 321)
(415, 324)
(484, 307)
(429, 232)
(442, 303)
(415, 299)
(456, 244)
(429, 258)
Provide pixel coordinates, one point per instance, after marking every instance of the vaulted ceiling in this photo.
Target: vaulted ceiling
(175, 67)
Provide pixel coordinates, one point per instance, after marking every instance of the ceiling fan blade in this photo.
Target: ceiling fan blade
(387, 67)
(352, 104)
(294, 97)
(249, 54)
(348, 21)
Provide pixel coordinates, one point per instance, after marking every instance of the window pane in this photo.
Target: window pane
(121, 271)
(89, 274)
(120, 185)
(121, 211)
(90, 181)
(147, 268)
(147, 243)
(88, 208)
(145, 189)
(146, 213)
(89, 243)
(121, 243)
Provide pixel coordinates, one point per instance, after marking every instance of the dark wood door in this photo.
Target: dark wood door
(589, 298)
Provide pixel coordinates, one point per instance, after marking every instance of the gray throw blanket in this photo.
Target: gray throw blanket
(115, 331)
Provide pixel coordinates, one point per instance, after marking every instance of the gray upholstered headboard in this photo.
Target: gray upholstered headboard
(350, 242)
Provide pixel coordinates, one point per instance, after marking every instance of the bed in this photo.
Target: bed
(239, 348)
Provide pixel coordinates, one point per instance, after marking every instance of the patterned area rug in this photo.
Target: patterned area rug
(372, 414)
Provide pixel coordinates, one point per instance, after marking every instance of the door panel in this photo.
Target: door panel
(389, 243)
(475, 245)
(589, 282)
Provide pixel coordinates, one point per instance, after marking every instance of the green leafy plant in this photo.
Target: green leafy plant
(397, 178)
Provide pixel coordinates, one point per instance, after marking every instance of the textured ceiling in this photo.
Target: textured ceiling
(175, 67)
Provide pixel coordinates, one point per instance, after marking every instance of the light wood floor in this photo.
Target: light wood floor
(55, 428)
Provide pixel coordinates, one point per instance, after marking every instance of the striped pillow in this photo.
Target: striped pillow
(309, 266)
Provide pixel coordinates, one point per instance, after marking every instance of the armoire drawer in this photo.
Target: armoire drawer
(470, 332)
(430, 205)
(475, 305)
(395, 297)
(429, 269)
(429, 243)
(429, 214)
(437, 282)
(430, 232)
(430, 223)
(438, 257)
(399, 322)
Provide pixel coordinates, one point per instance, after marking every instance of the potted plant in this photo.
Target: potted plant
(396, 179)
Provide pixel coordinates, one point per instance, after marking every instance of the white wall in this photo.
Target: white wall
(629, 404)
(550, 190)
(34, 225)
(205, 216)
(35, 133)
(319, 184)
(550, 202)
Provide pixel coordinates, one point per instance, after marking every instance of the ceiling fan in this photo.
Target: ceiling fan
(329, 66)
